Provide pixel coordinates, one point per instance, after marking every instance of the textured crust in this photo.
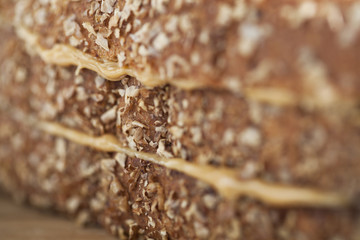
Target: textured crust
(133, 199)
(233, 44)
(294, 144)
(109, 189)
(130, 197)
(204, 127)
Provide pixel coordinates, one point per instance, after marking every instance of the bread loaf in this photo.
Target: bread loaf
(184, 119)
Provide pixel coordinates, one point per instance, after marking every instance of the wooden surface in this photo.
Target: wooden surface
(18, 223)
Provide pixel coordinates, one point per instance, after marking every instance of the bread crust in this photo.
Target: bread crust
(307, 143)
(233, 44)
